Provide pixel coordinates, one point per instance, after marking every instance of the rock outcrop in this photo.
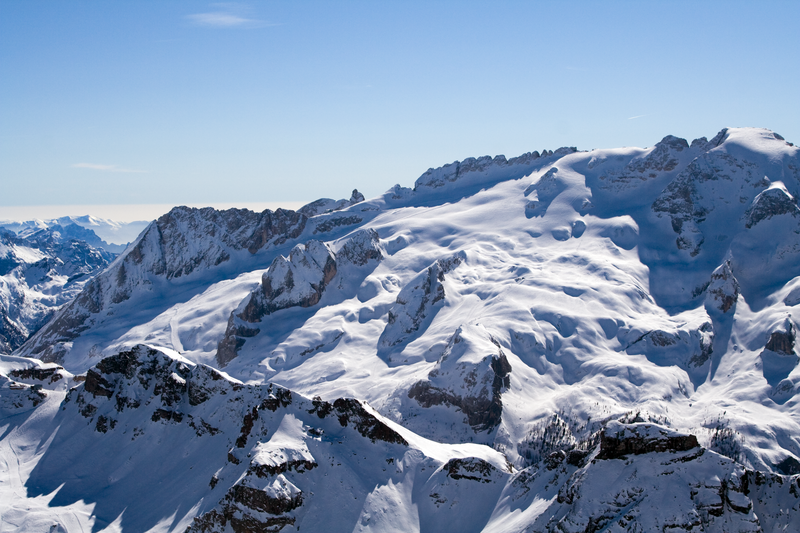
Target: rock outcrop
(417, 302)
(295, 281)
(723, 290)
(620, 440)
(470, 375)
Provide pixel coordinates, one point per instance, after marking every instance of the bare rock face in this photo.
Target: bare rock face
(471, 375)
(360, 248)
(473, 469)
(180, 243)
(770, 203)
(295, 281)
(416, 302)
(619, 440)
(246, 508)
(298, 280)
(778, 359)
(482, 168)
(715, 181)
(665, 157)
(723, 290)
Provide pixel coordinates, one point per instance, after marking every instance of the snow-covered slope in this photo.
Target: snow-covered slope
(517, 305)
(39, 272)
(148, 441)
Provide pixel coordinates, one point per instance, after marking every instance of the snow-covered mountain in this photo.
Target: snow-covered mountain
(109, 235)
(564, 341)
(40, 271)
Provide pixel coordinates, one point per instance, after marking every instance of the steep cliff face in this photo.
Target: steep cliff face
(181, 243)
(299, 280)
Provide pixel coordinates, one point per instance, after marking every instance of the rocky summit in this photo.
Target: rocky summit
(564, 341)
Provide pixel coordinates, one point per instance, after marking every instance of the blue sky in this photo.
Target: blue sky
(193, 102)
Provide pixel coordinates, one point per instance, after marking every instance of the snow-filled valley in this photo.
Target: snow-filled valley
(562, 341)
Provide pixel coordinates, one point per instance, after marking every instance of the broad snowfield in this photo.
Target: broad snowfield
(565, 341)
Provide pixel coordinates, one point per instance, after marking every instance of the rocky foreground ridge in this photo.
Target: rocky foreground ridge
(563, 341)
(274, 459)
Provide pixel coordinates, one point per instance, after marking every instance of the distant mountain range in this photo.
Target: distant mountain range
(110, 235)
(40, 271)
(561, 341)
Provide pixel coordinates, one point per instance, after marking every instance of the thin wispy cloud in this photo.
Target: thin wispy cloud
(638, 116)
(228, 15)
(108, 168)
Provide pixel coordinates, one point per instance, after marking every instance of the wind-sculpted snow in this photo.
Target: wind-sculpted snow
(512, 310)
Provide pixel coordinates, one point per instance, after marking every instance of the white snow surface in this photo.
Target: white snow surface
(518, 307)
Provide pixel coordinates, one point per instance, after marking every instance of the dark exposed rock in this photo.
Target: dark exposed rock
(276, 228)
(577, 457)
(247, 426)
(778, 360)
(555, 459)
(125, 363)
(471, 468)
(770, 203)
(51, 375)
(320, 407)
(782, 342)
(102, 424)
(335, 222)
(264, 470)
(163, 414)
(96, 385)
(789, 466)
(619, 440)
(480, 385)
(249, 498)
(723, 290)
(258, 500)
(350, 411)
(279, 397)
(362, 247)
